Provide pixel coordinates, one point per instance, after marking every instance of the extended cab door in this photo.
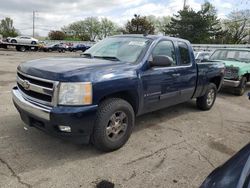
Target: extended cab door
(159, 86)
(186, 72)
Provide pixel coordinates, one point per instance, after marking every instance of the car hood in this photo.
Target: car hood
(76, 69)
(239, 64)
(243, 66)
(233, 173)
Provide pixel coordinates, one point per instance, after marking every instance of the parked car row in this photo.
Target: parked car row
(62, 47)
(24, 43)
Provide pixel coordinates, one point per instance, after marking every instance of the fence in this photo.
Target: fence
(211, 47)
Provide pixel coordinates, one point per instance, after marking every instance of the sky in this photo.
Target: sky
(53, 14)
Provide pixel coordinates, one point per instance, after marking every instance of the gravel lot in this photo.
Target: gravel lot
(174, 147)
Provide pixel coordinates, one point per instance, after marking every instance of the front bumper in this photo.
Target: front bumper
(81, 119)
(231, 83)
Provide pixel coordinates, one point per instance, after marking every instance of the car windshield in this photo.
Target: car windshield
(231, 55)
(125, 49)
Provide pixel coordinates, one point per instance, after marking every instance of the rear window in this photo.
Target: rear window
(184, 53)
(233, 55)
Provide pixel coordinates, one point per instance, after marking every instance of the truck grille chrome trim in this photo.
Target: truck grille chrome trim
(37, 89)
(36, 109)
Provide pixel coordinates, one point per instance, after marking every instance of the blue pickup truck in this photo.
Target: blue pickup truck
(95, 98)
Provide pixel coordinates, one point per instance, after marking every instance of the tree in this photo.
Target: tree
(7, 29)
(160, 23)
(235, 26)
(77, 30)
(56, 35)
(108, 28)
(198, 27)
(92, 27)
(139, 25)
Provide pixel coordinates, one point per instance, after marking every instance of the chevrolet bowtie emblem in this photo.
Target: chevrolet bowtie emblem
(26, 85)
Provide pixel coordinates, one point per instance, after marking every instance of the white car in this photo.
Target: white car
(22, 40)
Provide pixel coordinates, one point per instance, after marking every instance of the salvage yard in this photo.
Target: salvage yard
(174, 147)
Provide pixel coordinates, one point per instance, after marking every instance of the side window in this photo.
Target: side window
(165, 48)
(184, 52)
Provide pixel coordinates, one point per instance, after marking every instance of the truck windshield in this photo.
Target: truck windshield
(231, 55)
(124, 49)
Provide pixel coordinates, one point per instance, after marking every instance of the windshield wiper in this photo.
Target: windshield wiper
(112, 58)
(87, 55)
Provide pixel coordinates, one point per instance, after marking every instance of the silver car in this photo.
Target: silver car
(22, 40)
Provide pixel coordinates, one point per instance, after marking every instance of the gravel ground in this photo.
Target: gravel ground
(174, 147)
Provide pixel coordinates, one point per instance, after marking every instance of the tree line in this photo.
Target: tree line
(202, 26)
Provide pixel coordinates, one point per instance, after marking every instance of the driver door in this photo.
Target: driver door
(159, 86)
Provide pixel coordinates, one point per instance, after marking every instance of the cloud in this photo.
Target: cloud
(51, 15)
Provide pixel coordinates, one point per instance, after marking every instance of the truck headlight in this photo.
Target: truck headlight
(75, 93)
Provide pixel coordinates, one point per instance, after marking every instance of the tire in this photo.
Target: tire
(22, 48)
(33, 42)
(239, 91)
(13, 41)
(206, 102)
(114, 124)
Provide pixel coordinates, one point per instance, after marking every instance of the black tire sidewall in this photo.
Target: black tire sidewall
(202, 101)
(100, 138)
(242, 87)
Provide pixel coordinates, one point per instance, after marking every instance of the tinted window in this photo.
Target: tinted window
(184, 52)
(165, 48)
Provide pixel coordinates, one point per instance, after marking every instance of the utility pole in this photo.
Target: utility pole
(34, 15)
(184, 4)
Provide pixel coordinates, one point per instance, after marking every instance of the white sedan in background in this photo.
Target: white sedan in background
(22, 40)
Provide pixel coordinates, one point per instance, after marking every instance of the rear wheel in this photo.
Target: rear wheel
(22, 48)
(206, 102)
(13, 41)
(242, 87)
(114, 124)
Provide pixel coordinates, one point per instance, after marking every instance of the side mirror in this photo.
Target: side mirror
(161, 61)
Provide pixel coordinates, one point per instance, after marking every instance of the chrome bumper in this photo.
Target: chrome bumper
(33, 108)
(231, 83)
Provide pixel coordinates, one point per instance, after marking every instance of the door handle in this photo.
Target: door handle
(176, 75)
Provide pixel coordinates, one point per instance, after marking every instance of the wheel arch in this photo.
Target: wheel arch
(130, 96)
(217, 80)
(247, 75)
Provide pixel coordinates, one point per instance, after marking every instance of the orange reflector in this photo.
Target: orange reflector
(87, 99)
(88, 88)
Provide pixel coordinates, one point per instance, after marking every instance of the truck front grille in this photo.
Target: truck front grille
(36, 89)
(231, 73)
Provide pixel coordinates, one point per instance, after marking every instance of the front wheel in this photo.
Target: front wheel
(114, 124)
(242, 87)
(206, 102)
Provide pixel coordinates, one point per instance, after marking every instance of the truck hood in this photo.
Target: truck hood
(76, 69)
(243, 66)
(239, 64)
